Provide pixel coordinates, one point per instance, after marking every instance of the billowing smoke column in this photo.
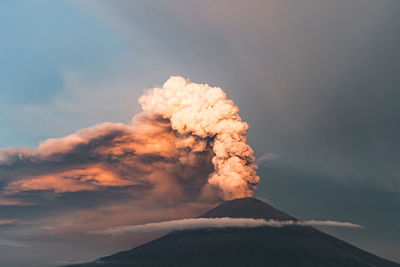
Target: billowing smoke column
(189, 143)
(206, 113)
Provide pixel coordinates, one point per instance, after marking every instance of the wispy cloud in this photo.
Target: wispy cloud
(226, 222)
(13, 202)
(332, 223)
(7, 222)
(4, 242)
(267, 157)
(68, 262)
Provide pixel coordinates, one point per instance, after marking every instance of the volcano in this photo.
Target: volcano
(261, 246)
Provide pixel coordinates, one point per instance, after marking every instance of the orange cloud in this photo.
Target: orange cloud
(188, 143)
(90, 178)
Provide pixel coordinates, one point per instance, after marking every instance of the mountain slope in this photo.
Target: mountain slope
(233, 247)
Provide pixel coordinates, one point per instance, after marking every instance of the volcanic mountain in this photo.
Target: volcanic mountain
(261, 246)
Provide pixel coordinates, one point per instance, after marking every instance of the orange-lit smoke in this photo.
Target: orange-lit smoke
(204, 112)
(188, 143)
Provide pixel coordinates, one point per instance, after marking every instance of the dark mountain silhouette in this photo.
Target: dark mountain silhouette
(263, 246)
(247, 208)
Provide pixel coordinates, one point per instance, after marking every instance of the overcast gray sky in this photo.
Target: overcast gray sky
(317, 81)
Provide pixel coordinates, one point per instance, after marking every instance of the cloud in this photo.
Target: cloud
(198, 223)
(188, 142)
(7, 222)
(332, 223)
(12, 202)
(68, 262)
(4, 242)
(89, 178)
(267, 157)
(9, 156)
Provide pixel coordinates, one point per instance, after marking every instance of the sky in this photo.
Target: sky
(316, 81)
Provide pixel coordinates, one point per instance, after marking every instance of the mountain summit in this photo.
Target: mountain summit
(236, 247)
(247, 208)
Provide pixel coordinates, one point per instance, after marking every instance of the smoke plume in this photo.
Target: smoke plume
(188, 143)
(204, 112)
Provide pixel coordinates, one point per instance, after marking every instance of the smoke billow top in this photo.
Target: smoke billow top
(204, 112)
(188, 143)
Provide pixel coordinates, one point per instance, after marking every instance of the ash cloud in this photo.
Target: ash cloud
(189, 143)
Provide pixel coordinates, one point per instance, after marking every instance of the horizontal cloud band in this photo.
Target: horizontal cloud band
(226, 222)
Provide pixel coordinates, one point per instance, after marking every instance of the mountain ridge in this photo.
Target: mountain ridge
(258, 247)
